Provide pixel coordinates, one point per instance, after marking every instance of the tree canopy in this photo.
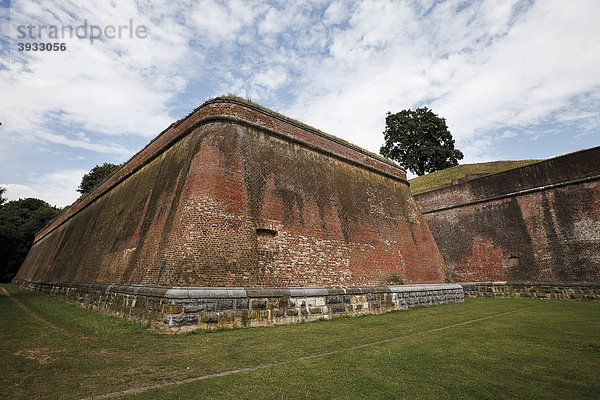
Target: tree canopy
(2, 199)
(419, 141)
(20, 220)
(96, 176)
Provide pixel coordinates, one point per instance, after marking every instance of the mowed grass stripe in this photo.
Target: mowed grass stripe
(105, 354)
(329, 353)
(116, 355)
(548, 352)
(35, 316)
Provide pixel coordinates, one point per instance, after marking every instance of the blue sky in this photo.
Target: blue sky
(513, 79)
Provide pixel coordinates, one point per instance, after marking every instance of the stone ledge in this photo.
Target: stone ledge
(539, 290)
(177, 309)
(413, 288)
(183, 292)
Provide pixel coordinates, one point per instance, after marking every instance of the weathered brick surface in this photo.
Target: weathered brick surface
(536, 223)
(242, 198)
(223, 110)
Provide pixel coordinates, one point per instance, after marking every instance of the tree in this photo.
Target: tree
(20, 220)
(2, 199)
(420, 141)
(96, 176)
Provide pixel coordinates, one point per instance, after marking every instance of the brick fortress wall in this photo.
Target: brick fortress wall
(237, 196)
(537, 223)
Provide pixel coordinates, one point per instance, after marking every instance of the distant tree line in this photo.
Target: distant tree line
(21, 219)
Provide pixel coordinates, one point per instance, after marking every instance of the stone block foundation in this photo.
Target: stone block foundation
(533, 290)
(179, 309)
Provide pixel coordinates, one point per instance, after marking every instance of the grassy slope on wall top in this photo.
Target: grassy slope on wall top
(439, 179)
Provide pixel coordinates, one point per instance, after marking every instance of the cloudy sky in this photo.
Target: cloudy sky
(513, 79)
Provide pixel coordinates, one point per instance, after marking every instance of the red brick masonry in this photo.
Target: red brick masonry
(237, 196)
(538, 223)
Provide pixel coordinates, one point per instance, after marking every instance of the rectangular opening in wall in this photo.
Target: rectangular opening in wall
(513, 262)
(265, 232)
(266, 240)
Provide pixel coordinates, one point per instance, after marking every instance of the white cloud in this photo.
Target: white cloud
(495, 69)
(84, 143)
(217, 22)
(481, 66)
(108, 87)
(545, 59)
(336, 13)
(56, 188)
(265, 82)
(276, 20)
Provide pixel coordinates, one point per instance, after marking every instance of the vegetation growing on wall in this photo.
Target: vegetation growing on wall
(443, 178)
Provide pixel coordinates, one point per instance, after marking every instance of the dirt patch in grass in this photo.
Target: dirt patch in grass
(42, 355)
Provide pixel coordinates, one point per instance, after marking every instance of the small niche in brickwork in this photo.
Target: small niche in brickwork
(513, 262)
(266, 239)
(266, 232)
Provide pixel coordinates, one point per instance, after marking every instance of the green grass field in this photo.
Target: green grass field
(443, 178)
(521, 349)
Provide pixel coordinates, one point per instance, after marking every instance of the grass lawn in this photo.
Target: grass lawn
(53, 350)
(443, 178)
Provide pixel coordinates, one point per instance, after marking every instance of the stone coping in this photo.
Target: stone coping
(177, 292)
(182, 309)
